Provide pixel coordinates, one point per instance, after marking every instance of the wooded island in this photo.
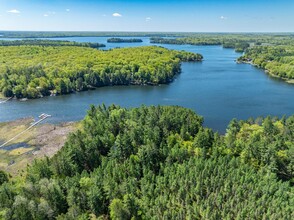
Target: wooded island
(36, 71)
(121, 40)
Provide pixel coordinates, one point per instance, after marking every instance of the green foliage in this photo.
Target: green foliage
(117, 210)
(231, 41)
(3, 177)
(36, 71)
(277, 60)
(54, 43)
(240, 42)
(269, 144)
(7, 91)
(160, 163)
(272, 52)
(51, 34)
(121, 40)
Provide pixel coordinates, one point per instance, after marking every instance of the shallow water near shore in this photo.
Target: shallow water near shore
(15, 146)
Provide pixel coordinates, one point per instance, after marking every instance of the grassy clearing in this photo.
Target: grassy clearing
(43, 139)
(20, 151)
(9, 130)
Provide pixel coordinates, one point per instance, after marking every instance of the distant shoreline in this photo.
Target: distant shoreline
(268, 72)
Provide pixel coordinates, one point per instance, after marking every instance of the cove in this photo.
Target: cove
(218, 88)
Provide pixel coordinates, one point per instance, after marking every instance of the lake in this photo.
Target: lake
(218, 88)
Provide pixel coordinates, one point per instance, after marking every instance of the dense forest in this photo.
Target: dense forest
(180, 41)
(159, 162)
(35, 71)
(121, 40)
(53, 43)
(240, 42)
(277, 60)
(235, 43)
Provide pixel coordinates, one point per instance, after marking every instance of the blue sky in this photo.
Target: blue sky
(149, 15)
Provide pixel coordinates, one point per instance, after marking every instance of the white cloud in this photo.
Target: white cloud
(116, 15)
(223, 17)
(68, 10)
(13, 11)
(49, 13)
(148, 19)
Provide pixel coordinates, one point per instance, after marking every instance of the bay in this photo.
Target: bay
(217, 88)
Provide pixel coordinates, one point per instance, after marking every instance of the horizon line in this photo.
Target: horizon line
(94, 31)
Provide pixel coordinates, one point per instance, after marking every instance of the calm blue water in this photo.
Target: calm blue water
(103, 40)
(217, 88)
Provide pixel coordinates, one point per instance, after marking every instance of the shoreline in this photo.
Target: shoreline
(4, 99)
(42, 140)
(268, 72)
(132, 83)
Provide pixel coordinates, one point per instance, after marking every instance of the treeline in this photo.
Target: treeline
(35, 71)
(277, 60)
(240, 42)
(54, 34)
(53, 43)
(272, 52)
(121, 40)
(180, 41)
(238, 45)
(159, 163)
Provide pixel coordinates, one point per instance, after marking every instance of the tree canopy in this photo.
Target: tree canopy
(35, 71)
(159, 162)
(122, 40)
(239, 42)
(54, 43)
(272, 52)
(277, 60)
